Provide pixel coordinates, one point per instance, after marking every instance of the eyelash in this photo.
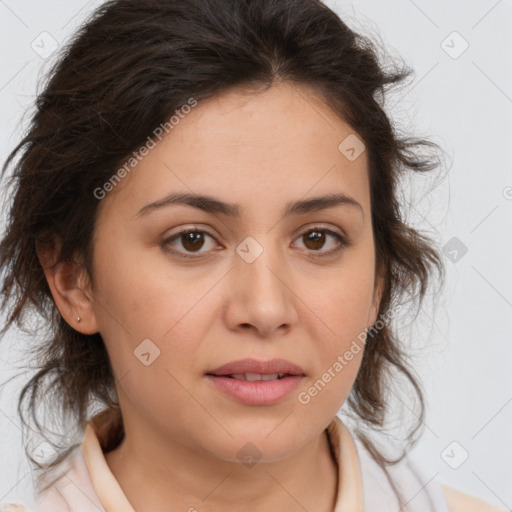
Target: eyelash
(342, 241)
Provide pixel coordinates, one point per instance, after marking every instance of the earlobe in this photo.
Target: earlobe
(71, 294)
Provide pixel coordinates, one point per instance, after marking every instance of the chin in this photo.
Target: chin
(256, 445)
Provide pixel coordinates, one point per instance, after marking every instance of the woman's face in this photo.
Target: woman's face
(271, 282)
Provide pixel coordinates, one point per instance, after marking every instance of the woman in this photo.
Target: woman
(205, 214)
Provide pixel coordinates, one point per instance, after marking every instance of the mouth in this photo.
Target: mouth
(252, 377)
(253, 382)
(252, 369)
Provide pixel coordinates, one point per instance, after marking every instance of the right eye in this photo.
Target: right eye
(191, 240)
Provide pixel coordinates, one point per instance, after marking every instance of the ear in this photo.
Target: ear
(378, 290)
(70, 287)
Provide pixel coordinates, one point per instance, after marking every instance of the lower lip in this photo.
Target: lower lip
(260, 392)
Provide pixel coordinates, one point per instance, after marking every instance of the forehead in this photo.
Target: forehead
(244, 144)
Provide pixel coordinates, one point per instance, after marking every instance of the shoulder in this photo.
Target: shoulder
(461, 502)
(73, 491)
(418, 485)
(69, 489)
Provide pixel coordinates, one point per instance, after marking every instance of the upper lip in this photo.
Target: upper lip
(255, 366)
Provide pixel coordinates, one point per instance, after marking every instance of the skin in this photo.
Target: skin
(260, 150)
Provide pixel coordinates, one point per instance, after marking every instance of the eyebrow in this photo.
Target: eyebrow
(210, 204)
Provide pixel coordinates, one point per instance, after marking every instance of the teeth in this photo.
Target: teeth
(257, 376)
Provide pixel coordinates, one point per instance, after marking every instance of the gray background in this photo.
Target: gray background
(461, 343)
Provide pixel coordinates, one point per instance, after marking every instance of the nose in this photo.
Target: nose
(261, 296)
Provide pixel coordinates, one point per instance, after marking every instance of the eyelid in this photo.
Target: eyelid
(310, 226)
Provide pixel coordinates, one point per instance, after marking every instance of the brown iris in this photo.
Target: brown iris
(192, 240)
(316, 237)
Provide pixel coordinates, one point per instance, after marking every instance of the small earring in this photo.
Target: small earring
(78, 319)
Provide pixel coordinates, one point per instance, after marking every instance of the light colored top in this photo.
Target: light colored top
(88, 485)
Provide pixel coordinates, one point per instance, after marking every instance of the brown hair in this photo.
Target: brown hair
(126, 70)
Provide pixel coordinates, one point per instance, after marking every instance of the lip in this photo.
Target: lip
(255, 366)
(257, 392)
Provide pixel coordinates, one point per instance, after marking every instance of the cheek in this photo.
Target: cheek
(149, 337)
(341, 309)
(141, 292)
(339, 351)
(152, 318)
(342, 303)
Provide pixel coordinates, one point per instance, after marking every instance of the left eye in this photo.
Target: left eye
(316, 238)
(192, 240)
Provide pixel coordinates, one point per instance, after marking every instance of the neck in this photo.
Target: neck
(165, 475)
